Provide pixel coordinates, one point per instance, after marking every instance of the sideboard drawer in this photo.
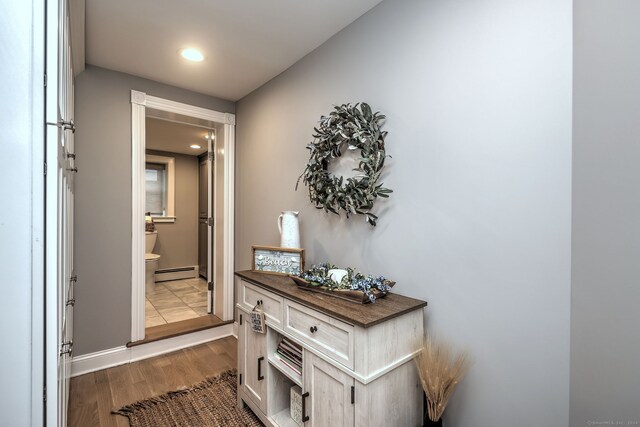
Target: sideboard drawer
(271, 303)
(325, 334)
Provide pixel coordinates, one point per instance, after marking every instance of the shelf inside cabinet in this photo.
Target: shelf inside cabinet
(277, 363)
(283, 419)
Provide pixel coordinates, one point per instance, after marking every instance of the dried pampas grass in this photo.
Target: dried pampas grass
(440, 372)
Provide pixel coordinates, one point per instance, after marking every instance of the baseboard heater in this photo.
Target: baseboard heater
(167, 274)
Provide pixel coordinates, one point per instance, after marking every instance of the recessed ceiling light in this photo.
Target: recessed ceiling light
(206, 136)
(191, 54)
(195, 146)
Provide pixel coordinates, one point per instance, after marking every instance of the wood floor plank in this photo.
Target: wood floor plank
(84, 387)
(104, 400)
(84, 415)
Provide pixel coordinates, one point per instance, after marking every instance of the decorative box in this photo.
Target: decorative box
(295, 404)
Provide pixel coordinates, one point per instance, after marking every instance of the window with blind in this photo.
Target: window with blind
(156, 189)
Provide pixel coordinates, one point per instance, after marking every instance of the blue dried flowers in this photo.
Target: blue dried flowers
(355, 281)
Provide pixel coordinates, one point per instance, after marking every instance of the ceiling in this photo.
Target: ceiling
(174, 137)
(245, 42)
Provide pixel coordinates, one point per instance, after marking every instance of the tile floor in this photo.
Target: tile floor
(173, 301)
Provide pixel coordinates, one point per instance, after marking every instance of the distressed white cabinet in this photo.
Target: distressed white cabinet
(357, 360)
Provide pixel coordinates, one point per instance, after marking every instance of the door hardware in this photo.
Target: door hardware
(64, 125)
(71, 302)
(68, 350)
(73, 170)
(313, 329)
(260, 376)
(71, 156)
(305, 417)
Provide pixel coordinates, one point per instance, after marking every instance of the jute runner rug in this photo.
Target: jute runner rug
(212, 402)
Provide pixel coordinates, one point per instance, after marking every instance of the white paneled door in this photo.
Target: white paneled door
(60, 181)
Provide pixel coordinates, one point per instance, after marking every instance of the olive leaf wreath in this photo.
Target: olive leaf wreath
(357, 128)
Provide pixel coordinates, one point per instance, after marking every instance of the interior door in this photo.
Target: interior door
(210, 222)
(67, 218)
(59, 194)
(203, 216)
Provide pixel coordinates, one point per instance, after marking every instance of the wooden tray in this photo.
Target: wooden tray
(358, 297)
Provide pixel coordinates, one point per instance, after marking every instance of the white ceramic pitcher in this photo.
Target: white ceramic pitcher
(289, 229)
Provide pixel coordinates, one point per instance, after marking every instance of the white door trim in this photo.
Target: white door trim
(229, 214)
(139, 102)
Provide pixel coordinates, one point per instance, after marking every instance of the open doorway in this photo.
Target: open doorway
(179, 203)
(182, 211)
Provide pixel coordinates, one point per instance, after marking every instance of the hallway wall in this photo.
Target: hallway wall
(103, 201)
(478, 102)
(605, 326)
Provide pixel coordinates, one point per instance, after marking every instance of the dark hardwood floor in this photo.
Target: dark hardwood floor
(93, 396)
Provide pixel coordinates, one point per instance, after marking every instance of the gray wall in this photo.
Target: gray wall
(605, 325)
(103, 201)
(478, 99)
(21, 215)
(177, 242)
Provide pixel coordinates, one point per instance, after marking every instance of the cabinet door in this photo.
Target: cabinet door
(330, 392)
(253, 359)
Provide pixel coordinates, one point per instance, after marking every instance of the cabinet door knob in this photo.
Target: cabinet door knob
(313, 329)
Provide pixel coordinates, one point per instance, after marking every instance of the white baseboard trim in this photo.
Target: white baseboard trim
(187, 272)
(99, 360)
(104, 359)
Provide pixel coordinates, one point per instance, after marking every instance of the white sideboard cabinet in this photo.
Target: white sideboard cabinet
(357, 359)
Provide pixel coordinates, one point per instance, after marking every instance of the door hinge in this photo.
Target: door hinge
(210, 286)
(240, 379)
(64, 125)
(66, 348)
(241, 319)
(45, 79)
(353, 394)
(45, 168)
(210, 156)
(44, 394)
(210, 221)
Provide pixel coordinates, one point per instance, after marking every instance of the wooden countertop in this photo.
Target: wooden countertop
(364, 315)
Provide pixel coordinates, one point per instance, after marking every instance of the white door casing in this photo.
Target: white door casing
(210, 224)
(139, 102)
